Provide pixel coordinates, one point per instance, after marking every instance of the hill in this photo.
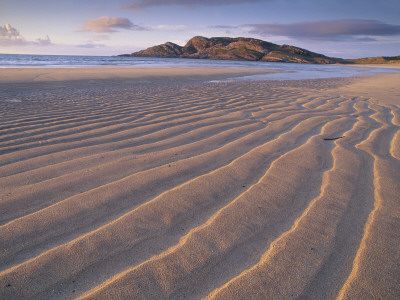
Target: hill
(235, 49)
(376, 60)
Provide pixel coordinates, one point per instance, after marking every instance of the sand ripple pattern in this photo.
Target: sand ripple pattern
(221, 191)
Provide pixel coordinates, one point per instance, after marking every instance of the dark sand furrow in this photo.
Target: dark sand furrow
(376, 257)
(70, 95)
(278, 116)
(159, 207)
(248, 215)
(28, 151)
(69, 154)
(345, 107)
(151, 142)
(81, 116)
(360, 131)
(248, 252)
(395, 111)
(50, 116)
(339, 264)
(138, 130)
(109, 109)
(233, 145)
(375, 272)
(51, 191)
(316, 102)
(395, 146)
(330, 277)
(382, 115)
(264, 109)
(309, 247)
(323, 103)
(206, 136)
(76, 123)
(276, 113)
(362, 107)
(340, 108)
(330, 103)
(99, 131)
(326, 283)
(105, 108)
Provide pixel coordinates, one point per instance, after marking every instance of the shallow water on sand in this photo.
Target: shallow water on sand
(287, 71)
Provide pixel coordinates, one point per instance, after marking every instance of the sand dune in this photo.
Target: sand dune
(126, 189)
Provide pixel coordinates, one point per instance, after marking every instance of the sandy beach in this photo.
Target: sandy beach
(119, 183)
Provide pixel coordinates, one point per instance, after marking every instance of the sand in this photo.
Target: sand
(134, 185)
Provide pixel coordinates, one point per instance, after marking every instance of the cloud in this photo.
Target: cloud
(110, 24)
(7, 31)
(169, 27)
(140, 4)
(327, 30)
(9, 36)
(224, 27)
(44, 42)
(91, 46)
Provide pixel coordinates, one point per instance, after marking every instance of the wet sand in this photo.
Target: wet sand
(164, 185)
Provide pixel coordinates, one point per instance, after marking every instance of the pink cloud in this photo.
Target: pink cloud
(107, 24)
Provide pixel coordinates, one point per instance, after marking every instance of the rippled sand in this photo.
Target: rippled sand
(150, 188)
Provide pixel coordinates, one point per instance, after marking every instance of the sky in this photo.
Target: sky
(338, 28)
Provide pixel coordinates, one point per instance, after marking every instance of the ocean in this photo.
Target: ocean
(288, 71)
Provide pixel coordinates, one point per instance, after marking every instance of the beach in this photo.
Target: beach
(160, 183)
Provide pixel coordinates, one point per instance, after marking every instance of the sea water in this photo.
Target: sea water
(287, 71)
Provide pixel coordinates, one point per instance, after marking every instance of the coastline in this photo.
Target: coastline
(156, 183)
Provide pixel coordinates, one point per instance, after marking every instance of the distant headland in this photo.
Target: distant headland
(249, 49)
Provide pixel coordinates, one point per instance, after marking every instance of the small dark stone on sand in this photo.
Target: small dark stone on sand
(335, 138)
